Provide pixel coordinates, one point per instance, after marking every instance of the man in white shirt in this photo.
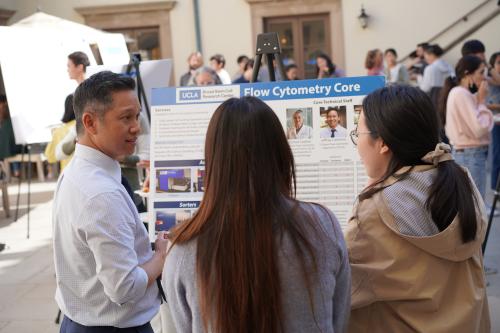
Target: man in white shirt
(334, 129)
(299, 130)
(217, 62)
(106, 271)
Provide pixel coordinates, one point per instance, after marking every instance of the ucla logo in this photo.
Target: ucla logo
(189, 95)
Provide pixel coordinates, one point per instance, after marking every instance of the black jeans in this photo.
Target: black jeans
(69, 326)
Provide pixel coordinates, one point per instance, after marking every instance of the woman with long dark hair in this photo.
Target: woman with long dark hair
(468, 122)
(325, 68)
(254, 259)
(415, 237)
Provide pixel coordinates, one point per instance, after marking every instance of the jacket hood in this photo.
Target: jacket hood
(401, 205)
(443, 67)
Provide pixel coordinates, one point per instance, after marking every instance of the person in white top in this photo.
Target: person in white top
(334, 129)
(217, 62)
(77, 65)
(105, 269)
(437, 70)
(299, 130)
(395, 72)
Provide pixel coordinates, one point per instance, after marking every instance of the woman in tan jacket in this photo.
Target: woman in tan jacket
(415, 236)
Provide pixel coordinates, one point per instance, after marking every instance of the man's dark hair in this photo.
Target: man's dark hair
(241, 59)
(288, 67)
(434, 49)
(219, 58)
(96, 93)
(332, 109)
(473, 46)
(423, 45)
(391, 50)
(79, 58)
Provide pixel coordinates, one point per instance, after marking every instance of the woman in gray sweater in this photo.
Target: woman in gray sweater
(254, 259)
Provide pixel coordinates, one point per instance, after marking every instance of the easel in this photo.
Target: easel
(26, 148)
(269, 45)
(496, 196)
(135, 63)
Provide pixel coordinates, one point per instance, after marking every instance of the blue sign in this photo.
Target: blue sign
(269, 91)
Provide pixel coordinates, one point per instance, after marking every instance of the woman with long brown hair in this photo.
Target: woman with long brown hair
(254, 259)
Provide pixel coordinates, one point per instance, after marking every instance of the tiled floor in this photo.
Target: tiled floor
(27, 275)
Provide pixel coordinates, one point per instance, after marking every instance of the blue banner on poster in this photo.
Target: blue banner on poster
(269, 91)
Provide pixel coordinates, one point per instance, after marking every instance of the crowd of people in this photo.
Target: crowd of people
(425, 69)
(325, 68)
(253, 258)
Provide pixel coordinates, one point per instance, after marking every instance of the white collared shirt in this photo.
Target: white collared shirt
(340, 132)
(99, 243)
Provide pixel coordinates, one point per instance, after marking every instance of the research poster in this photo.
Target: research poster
(317, 117)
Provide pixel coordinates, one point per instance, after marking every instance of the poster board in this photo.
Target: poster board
(328, 169)
(36, 80)
(35, 76)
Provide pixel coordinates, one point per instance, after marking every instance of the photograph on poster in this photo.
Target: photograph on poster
(333, 122)
(357, 113)
(299, 123)
(173, 180)
(167, 218)
(199, 175)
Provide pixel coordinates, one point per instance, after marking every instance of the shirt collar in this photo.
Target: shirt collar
(100, 160)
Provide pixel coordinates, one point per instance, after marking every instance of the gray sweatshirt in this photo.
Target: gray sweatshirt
(331, 296)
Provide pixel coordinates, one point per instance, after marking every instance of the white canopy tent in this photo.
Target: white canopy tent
(56, 24)
(33, 57)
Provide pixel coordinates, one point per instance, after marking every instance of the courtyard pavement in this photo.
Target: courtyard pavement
(27, 282)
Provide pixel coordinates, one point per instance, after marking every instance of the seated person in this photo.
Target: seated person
(334, 129)
(299, 130)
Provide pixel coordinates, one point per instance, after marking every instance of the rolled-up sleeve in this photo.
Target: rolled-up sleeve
(109, 230)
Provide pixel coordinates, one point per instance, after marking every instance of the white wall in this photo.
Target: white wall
(398, 24)
(226, 29)
(226, 26)
(489, 35)
(183, 36)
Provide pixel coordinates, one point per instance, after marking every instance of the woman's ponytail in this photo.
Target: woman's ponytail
(452, 194)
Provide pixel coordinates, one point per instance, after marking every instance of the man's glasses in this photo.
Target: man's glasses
(355, 135)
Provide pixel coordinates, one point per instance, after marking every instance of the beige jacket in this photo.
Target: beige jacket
(414, 284)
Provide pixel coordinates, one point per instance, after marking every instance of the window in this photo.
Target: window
(302, 38)
(144, 41)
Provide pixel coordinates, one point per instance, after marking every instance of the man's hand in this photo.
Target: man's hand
(154, 266)
(161, 244)
(144, 164)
